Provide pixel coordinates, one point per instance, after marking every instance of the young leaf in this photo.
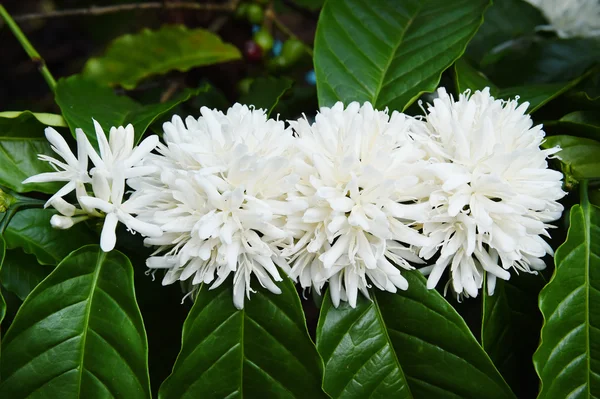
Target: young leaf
(21, 140)
(131, 58)
(30, 230)
(414, 332)
(266, 92)
(261, 351)
(510, 329)
(21, 273)
(578, 155)
(389, 52)
(81, 99)
(79, 334)
(568, 357)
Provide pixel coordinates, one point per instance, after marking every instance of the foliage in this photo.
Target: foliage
(70, 313)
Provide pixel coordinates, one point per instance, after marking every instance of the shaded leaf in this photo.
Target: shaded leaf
(568, 358)
(21, 273)
(510, 329)
(79, 334)
(503, 22)
(131, 58)
(580, 156)
(389, 52)
(578, 123)
(2, 255)
(81, 99)
(30, 230)
(416, 331)
(467, 77)
(266, 92)
(21, 140)
(261, 351)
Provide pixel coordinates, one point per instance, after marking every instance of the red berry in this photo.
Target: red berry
(252, 51)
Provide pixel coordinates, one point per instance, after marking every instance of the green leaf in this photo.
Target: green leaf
(389, 52)
(504, 21)
(21, 140)
(510, 329)
(568, 357)
(30, 230)
(21, 273)
(261, 351)
(467, 77)
(266, 92)
(81, 100)
(131, 58)
(580, 156)
(42, 117)
(79, 334)
(578, 123)
(415, 333)
(2, 255)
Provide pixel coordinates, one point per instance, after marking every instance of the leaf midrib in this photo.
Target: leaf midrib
(585, 205)
(88, 308)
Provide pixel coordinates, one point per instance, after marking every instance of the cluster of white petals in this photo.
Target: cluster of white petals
(350, 199)
(495, 193)
(118, 161)
(360, 175)
(571, 18)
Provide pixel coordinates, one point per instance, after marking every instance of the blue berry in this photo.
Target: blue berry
(310, 77)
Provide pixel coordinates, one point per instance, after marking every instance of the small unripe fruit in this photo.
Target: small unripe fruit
(255, 14)
(264, 39)
(252, 51)
(292, 50)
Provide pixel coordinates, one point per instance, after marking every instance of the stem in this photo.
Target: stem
(9, 215)
(152, 5)
(31, 52)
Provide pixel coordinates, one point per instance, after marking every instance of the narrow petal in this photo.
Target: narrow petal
(108, 237)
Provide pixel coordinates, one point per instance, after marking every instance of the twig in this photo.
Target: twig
(153, 5)
(29, 49)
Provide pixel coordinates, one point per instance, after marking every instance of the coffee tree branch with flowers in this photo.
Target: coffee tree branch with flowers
(406, 209)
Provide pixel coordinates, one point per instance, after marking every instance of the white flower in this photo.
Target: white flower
(495, 192)
(73, 170)
(571, 18)
(118, 160)
(360, 177)
(219, 194)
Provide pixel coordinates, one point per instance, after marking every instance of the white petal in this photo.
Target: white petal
(108, 237)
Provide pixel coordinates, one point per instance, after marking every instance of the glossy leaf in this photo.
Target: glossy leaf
(79, 334)
(131, 58)
(30, 230)
(261, 351)
(504, 23)
(568, 358)
(389, 52)
(21, 140)
(415, 331)
(21, 273)
(81, 100)
(578, 155)
(266, 92)
(510, 330)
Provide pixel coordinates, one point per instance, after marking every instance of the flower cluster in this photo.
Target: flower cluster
(349, 200)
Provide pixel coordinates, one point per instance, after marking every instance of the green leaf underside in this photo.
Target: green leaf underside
(408, 344)
(21, 273)
(389, 52)
(42, 117)
(30, 230)
(266, 92)
(81, 100)
(261, 351)
(568, 358)
(511, 319)
(131, 58)
(79, 334)
(21, 140)
(579, 155)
